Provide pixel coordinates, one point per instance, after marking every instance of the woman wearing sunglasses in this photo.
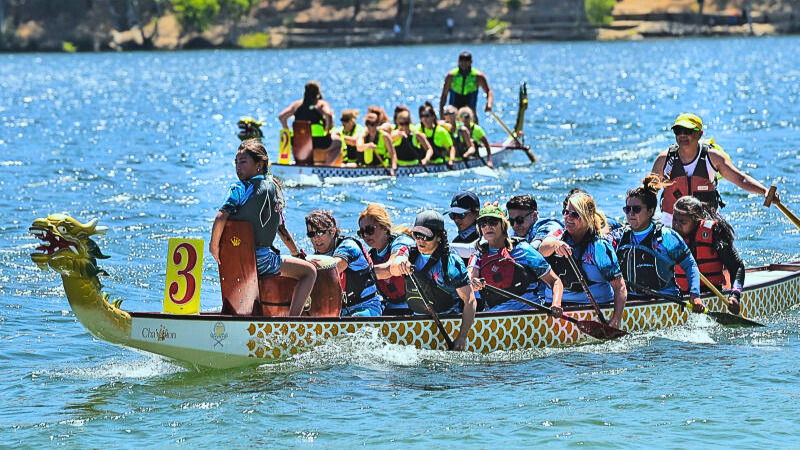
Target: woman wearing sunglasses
(476, 132)
(352, 262)
(582, 239)
(648, 252)
(440, 272)
(511, 265)
(441, 143)
(376, 145)
(464, 146)
(375, 228)
(710, 239)
(349, 132)
(407, 141)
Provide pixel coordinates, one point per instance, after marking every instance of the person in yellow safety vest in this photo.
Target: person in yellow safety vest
(409, 144)
(690, 167)
(441, 149)
(348, 133)
(461, 86)
(316, 110)
(375, 146)
(476, 134)
(464, 146)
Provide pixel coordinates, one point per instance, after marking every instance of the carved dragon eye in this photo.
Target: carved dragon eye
(61, 229)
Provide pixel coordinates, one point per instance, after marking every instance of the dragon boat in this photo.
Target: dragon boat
(224, 340)
(298, 160)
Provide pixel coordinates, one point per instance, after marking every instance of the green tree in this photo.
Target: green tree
(196, 14)
(236, 9)
(599, 11)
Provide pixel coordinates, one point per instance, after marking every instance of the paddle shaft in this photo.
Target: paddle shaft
(513, 136)
(432, 312)
(714, 289)
(585, 287)
(770, 199)
(528, 302)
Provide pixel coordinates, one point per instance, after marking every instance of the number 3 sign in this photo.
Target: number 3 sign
(184, 273)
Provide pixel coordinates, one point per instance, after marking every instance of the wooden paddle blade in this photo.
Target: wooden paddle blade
(600, 330)
(730, 320)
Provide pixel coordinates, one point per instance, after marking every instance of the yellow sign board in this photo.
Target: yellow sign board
(285, 147)
(184, 274)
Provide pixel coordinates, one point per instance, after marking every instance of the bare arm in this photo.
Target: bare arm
(488, 147)
(556, 285)
(467, 316)
(387, 142)
(288, 112)
(216, 234)
(287, 239)
(734, 175)
(327, 112)
(423, 140)
(483, 83)
(448, 80)
(620, 297)
(658, 165)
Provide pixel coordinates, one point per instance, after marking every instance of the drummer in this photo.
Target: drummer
(352, 261)
(375, 228)
(439, 270)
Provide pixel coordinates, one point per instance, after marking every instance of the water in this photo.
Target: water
(145, 142)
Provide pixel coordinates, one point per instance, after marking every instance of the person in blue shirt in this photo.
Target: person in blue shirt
(440, 271)
(257, 198)
(523, 214)
(385, 242)
(583, 240)
(464, 208)
(353, 263)
(648, 251)
(509, 264)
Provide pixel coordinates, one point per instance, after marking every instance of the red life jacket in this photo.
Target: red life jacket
(393, 289)
(699, 185)
(708, 260)
(500, 270)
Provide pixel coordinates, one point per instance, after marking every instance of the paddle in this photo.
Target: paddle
(770, 199)
(412, 300)
(513, 136)
(585, 287)
(594, 329)
(714, 289)
(722, 318)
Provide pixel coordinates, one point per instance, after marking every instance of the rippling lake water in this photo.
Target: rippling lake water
(145, 142)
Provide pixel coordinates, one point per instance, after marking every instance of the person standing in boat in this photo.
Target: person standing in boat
(441, 144)
(710, 239)
(509, 264)
(440, 271)
(464, 208)
(408, 143)
(476, 133)
(690, 167)
(375, 228)
(523, 214)
(649, 253)
(582, 239)
(317, 111)
(375, 145)
(353, 263)
(257, 198)
(462, 142)
(461, 86)
(348, 133)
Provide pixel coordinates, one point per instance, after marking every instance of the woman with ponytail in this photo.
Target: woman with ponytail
(649, 252)
(583, 239)
(710, 239)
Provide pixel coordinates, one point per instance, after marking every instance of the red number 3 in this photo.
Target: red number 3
(186, 272)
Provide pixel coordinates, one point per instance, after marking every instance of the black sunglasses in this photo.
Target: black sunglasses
(519, 220)
(572, 214)
(458, 216)
(403, 124)
(636, 209)
(368, 230)
(317, 233)
(490, 221)
(422, 237)
(680, 130)
(371, 124)
(426, 115)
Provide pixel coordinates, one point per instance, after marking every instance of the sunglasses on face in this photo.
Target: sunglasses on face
(317, 233)
(426, 115)
(571, 214)
(371, 124)
(465, 117)
(635, 209)
(491, 221)
(680, 130)
(519, 220)
(422, 237)
(403, 124)
(368, 230)
(449, 113)
(459, 216)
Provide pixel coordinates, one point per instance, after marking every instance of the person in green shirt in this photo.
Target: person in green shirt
(476, 133)
(348, 133)
(441, 143)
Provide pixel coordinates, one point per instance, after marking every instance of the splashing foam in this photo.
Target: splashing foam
(150, 367)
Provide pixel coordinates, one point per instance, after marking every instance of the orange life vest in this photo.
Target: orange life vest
(699, 185)
(708, 260)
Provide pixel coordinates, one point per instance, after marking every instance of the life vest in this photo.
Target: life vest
(699, 185)
(441, 300)
(638, 262)
(351, 153)
(501, 271)
(393, 289)
(458, 142)
(563, 269)
(464, 90)
(380, 150)
(354, 282)
(707, 259)
(439, 153)
(309, 113)
(406, 151)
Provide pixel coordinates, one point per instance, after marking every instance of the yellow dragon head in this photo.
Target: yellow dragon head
(66, 246)
(250, 128)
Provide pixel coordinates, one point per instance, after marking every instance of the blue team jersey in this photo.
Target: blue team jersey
(599, 261)
(350, 251)
(540, 230)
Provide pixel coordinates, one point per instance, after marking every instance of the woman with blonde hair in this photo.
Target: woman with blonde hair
(385, 242)
(582, 239)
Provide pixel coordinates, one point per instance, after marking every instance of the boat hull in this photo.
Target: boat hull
(214, 340)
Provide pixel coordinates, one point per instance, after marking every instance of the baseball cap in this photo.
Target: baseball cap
(689, 121)
(428, 222)
(462, 202)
